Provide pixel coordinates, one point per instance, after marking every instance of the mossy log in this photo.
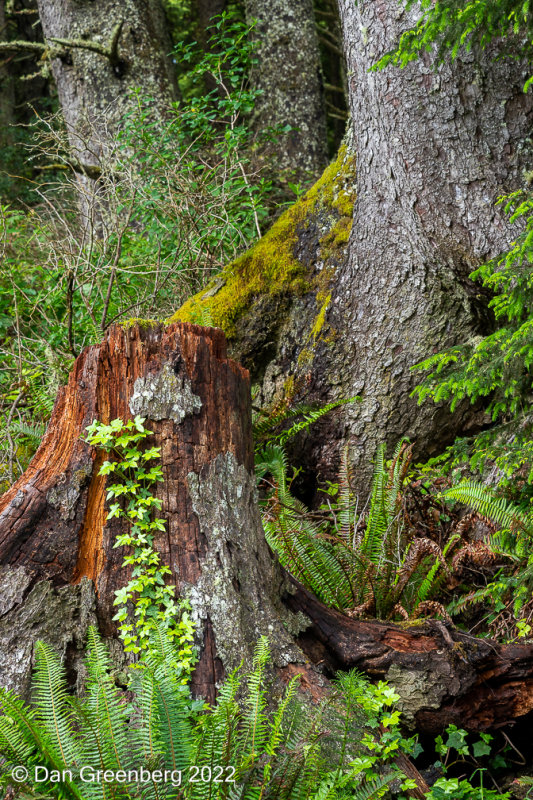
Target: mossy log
(444, 676)
(59, 569)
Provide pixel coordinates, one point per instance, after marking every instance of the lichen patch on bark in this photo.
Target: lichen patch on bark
(164, 396)
(417, 690)
(239, 582)
(14, 582)
(59, 617)
(64, 494)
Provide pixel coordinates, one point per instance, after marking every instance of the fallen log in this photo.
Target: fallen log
(443, 675)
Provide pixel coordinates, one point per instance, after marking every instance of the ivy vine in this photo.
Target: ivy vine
(136, 472)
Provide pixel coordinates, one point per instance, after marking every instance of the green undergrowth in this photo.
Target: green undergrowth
(271, 266)
(158, 743)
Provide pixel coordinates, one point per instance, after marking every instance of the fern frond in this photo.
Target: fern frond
(310, 418)
(374, 789)
(22, 732)
(433, 608)
(428, 582)
(105, 713)
(313, 562)
(14, 748)
(272, 460)
(162, 650)
(310, 414)
(33, 433)
(378, 519)
(472, 598)
(166, 729)
(484, 500)
(479, 553)
(267, 422)
(347, 507)
(215, 735)
(419, 550)
(276, 728)
(254, 721)
(53, 710)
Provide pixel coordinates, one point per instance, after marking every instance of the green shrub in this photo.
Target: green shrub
(177, 198)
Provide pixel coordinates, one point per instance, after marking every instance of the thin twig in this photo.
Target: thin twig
(116, 261)
(14, 405)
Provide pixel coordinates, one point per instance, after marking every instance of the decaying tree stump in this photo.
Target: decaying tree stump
(53, 520)
(59, 569)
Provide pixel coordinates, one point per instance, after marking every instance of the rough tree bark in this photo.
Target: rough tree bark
(435, 148)
(59, 569)
(289, 75)
(104, 51)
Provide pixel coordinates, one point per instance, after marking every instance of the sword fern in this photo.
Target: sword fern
(243, 748)
(368, 564)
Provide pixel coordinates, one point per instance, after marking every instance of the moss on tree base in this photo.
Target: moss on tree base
(280, 266)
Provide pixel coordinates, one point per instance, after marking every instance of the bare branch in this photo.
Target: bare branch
(110, 51)
(21, 46)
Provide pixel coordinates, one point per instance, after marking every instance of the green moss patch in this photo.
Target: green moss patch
(271, 267)
(142, 323)
(335, 187)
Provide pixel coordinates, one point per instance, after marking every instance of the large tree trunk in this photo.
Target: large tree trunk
(23, 90)
(59, 569)
(207, 10)
(96, 89)
(351, 315)
(435, 149)
(289, 76)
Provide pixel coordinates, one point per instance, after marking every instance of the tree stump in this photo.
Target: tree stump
(53, 520)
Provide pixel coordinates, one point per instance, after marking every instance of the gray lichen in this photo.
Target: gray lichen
(164, 396)
(59, 617)
(14, 582)
(65, 494)
(417, 690)
(240, 582)
(296, 623)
